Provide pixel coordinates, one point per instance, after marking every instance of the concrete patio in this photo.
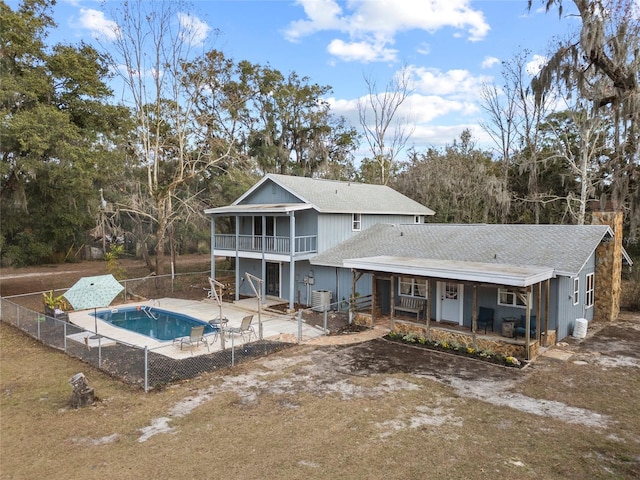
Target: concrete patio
(277, 327)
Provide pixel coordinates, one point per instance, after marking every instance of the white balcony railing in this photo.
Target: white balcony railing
(281, 245)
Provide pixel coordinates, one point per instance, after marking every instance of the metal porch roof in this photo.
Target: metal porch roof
(253, 208)
(500, 274)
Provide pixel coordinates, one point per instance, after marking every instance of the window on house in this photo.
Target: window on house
(451, 291)
(588, 294)
(416, 219)
(410, 287)
(510, 298)
(357, 222)
(576, 291)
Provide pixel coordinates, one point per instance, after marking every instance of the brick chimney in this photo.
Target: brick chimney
(608, 275)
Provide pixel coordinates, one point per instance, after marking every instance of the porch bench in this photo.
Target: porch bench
(411, 305)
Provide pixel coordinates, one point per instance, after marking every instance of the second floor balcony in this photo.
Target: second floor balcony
(278, 245)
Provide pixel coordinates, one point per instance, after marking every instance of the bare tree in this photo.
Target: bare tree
(514, 119)
(580, 142)
(601, 64)
(153, 42)
(385, 132)
(500, 105)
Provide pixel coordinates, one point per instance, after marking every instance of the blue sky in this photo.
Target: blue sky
(449, 46)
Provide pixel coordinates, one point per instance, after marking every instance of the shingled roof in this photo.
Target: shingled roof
(332, 196)
(565, 248)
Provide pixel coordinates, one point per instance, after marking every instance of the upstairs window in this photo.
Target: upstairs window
(410, 287)
(510, 298)
(357, 222)
(576, 291)
(588, 294)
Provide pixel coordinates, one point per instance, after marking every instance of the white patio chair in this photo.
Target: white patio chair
(245, 329)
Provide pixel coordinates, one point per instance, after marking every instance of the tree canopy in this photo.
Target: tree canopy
(196, 128)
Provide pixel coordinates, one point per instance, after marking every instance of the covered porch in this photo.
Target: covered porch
(437, 283)
(274, 236)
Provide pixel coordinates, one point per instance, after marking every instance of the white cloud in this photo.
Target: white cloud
(381, 20)
(97, 24)
(425, 136)
(322, 15)
(535, 65)
(196, 31)
(424, 48)
(360, 51)
(457, 83)
(438, 98)
(489, 62)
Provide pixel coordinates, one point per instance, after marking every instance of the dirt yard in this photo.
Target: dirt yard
(368, 409)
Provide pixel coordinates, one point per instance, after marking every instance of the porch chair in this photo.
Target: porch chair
(521, 327)
(485, 318)
(195, 337)
(245, 328)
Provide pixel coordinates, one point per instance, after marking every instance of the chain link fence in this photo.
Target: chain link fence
(133, 364)
(152, 368)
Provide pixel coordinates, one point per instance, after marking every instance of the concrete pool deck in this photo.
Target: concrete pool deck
(274, 327)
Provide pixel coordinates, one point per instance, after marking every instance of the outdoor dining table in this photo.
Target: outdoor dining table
(216, 322)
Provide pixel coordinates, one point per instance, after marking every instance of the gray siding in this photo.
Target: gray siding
(306, 224)
(253, 267)
(269, 192)
(334, 228)
(335, 280)
(567, 312)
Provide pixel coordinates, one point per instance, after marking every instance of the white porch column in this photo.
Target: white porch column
(213, 247)
(292, 264)
(238, 274)
(263, 262)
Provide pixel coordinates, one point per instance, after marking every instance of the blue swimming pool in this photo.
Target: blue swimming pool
(153, 322)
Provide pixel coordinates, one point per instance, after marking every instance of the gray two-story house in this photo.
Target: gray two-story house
(283, 221)
(302, 236)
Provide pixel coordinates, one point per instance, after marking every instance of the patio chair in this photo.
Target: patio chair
(245, 329)
(195, 337)
(521, 328)
(485, 318)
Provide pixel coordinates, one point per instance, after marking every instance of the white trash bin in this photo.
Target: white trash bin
(580, 328)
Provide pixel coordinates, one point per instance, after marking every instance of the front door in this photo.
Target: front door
(450, 295)
(273, 279)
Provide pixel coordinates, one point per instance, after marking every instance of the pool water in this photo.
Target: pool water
(153, 322)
